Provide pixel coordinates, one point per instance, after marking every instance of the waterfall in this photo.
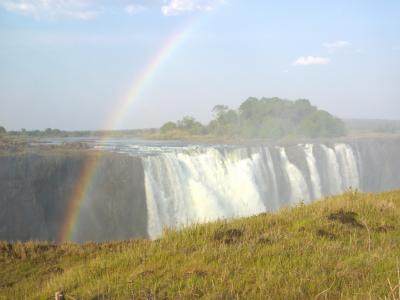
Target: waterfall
(312, 167)
(202, 184)
(272, 174)
(347, 165)
(143, 187)
(335, 180)
(298, 185)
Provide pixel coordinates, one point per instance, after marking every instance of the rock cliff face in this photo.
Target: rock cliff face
(35, 191)
(380, 170)
(136, 197)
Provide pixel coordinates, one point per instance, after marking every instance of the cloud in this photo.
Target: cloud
(52, 9)
(134, 9)
(311, 60)
(179, 7)
(90, 9)
(337, 44)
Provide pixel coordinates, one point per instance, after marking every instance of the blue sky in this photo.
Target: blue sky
(66, 64)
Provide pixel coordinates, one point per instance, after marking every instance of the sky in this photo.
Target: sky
(97, 64)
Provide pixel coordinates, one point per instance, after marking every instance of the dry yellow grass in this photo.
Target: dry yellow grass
(341, 247)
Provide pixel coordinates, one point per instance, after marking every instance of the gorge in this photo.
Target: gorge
(136, 194)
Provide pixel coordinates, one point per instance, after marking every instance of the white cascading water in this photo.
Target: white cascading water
(335, 180)
(272, 173)
(298, 186)
(200, 186)
(347, 166)
(312, 167)
(193, 185)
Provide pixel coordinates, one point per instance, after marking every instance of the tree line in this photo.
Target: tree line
(265, 118)
(57, 133)
(269, 118)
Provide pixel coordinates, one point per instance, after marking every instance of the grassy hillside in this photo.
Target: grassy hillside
(343, 247)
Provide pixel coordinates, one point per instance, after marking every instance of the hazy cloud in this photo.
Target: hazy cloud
(311, 60)
(337, 44)
(179, 7)
(133, 9)
(89, 9)
(52, 9)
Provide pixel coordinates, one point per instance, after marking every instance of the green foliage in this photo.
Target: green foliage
(50, 133)
(267, 118)
(276, 118)
(343, 247)
(168, 127)
(3, 133)
(321, 124)
(226, 121)
(190, 125)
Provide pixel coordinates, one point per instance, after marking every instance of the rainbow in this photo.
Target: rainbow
(88, 171)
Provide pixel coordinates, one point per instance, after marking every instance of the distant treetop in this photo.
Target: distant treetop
(269, 118)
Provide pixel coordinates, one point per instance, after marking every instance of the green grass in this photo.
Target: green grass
(342, 247)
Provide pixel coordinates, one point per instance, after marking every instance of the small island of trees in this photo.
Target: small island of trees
(265, 118)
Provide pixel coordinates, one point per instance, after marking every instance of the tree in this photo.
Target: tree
(271, 118)
(248, 109)
(321, 124)
(219, 110)
(226, 121)
(191, 125)
(2, 130)
(167, 127)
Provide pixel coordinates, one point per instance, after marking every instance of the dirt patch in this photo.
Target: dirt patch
(302, 229)
(55, 270)
(326, 234)
(196, 293)
(6, 249)
(195, 272)
(345, 217)
(44, 248)
(7, 285)
(145, 273)
(384, 228)
(25, 250)
(264, 241)
(98, 297)
(228, 236)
